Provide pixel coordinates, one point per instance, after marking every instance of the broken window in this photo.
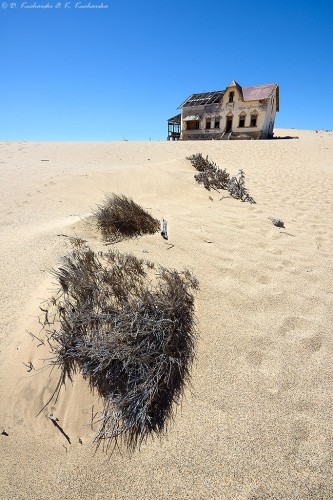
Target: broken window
(231, 96)
(217, 123)
(208, 123)
(253, 120)
(241, 121)
(192, 125)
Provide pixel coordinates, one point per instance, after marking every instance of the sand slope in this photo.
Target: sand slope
(257, 422)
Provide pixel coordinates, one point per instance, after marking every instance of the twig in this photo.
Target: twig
(55, 421)
(41, 342)
(288, 234)
(57, 389)
(30, 366)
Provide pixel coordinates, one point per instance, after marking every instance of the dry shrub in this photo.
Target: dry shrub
(212, 177)
(130, 329)
(237, 189)
(120, 217)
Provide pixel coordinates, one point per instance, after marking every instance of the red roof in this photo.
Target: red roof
(258, 92)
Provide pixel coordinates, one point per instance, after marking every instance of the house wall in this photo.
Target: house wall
(270, 116)
(265, 110)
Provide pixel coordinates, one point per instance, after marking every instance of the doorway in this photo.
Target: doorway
(228, 126)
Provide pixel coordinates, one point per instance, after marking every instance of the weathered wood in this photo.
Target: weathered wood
(164, 229)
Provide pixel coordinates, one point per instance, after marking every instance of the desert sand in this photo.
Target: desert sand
(257, 420)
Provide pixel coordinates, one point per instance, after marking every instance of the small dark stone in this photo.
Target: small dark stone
(277, 222)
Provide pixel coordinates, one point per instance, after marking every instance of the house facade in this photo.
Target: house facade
(234, 113)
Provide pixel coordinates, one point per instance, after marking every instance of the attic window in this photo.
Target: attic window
(241, 121)
(217, 123)
(253, 120)
(231, 96)
(208, 123)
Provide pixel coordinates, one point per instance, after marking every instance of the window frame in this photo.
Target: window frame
(242, 117)
(254, 116)
(190, 123)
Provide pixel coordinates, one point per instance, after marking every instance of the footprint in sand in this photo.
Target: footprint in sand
(292, 324)
(309, 445)
(276, 251)
(287, 263)
(312, 343)
(269, 369)
(263, 493)
(261, 245)
(255, 358)
(301, 333)
(264, 280)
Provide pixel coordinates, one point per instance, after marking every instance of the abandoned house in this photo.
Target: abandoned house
(234, 113)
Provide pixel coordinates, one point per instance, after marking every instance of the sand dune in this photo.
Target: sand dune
(257, 422)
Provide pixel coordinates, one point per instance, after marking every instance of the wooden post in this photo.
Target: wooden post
(164, 229)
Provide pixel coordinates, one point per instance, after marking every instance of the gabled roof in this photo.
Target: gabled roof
(202, 99)
(233, 84)
(238, 87)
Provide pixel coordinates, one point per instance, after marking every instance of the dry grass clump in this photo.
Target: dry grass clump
(212, 177)
(130, 329)
(120, 217)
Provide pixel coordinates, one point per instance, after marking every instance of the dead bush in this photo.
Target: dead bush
(212, 177)
(119, 217)
(237, 189)
(129, 328)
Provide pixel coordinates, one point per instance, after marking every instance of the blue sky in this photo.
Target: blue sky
(120, 72)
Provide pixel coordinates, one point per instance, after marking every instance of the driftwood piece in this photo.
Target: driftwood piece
(164, 229)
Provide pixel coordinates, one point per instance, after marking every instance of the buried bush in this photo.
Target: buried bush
(212, 177)
(120, 217)
(129, 328)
